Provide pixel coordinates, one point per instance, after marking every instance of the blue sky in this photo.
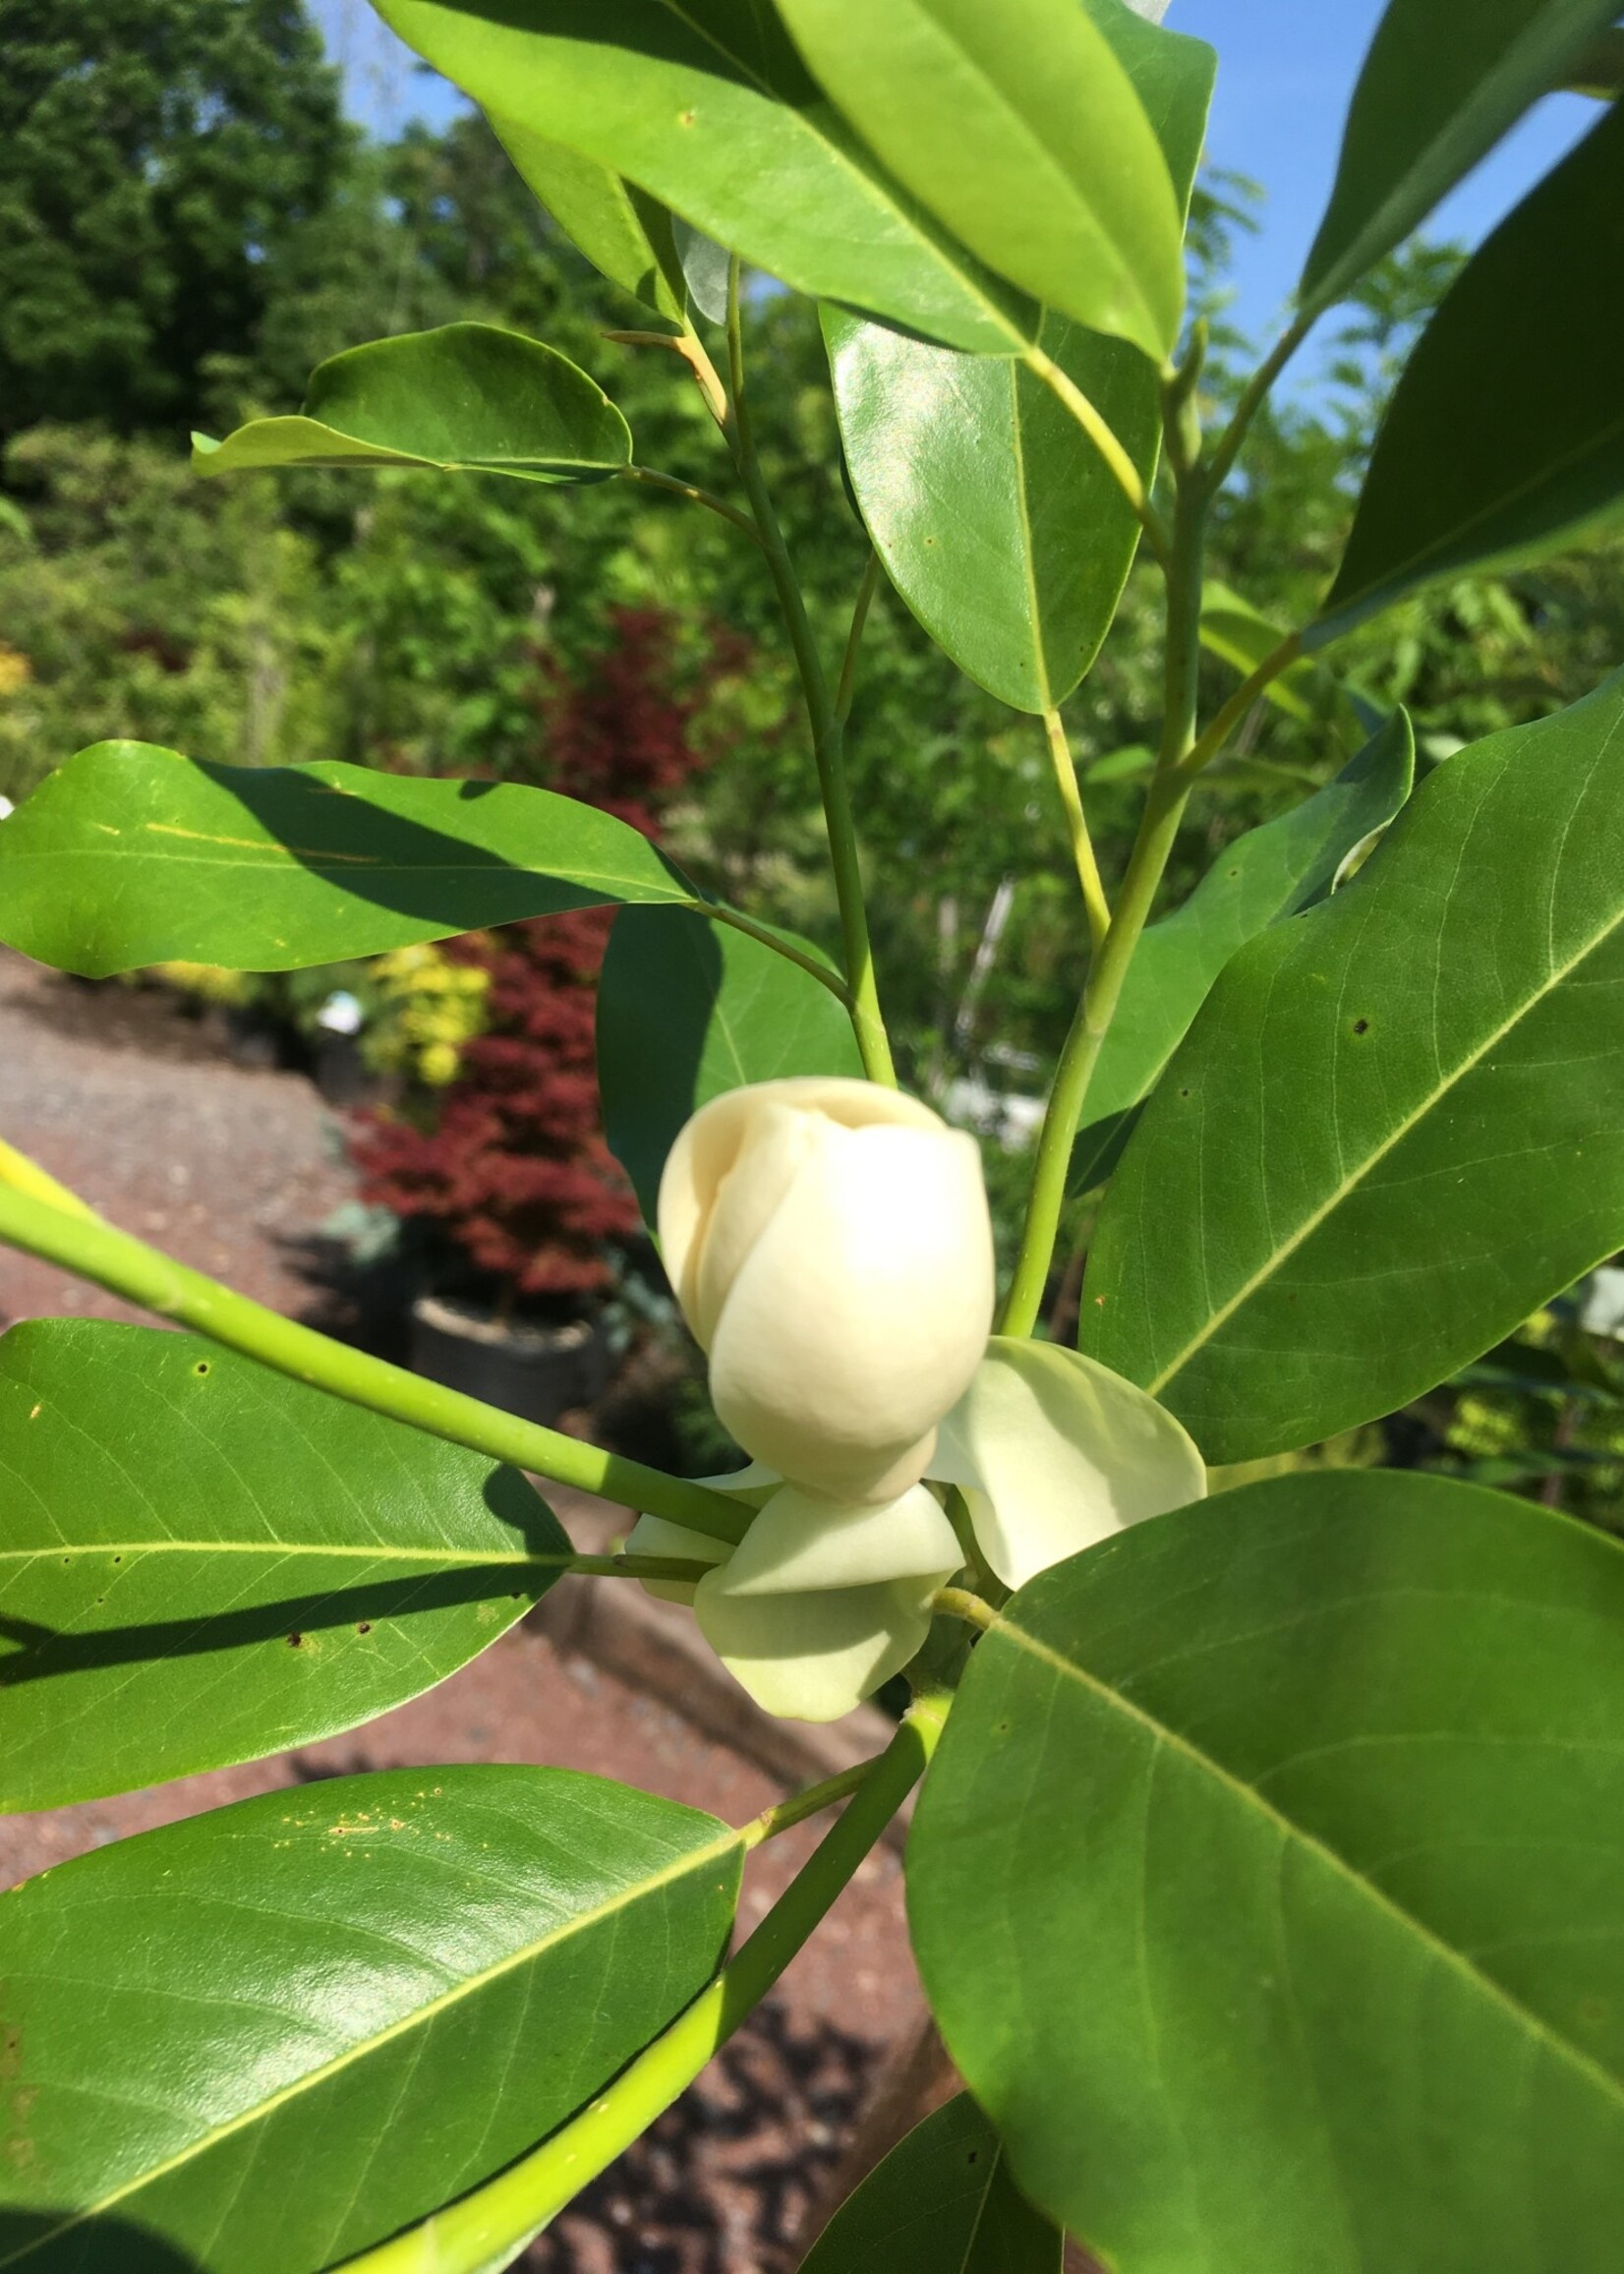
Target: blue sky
(1285, 71)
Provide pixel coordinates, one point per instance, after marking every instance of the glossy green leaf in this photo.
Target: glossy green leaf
(1265, 1884)
(710, 110)
(687, 1010)
(622, 231)
(942, 2202)
(204, 1562)
(129, 856)
(1269, 873)
(469, 397)
(268, 2037)
(995, 517)
(1443, 81)
(1019, 127)
(1505, 434)
(1397, 1127)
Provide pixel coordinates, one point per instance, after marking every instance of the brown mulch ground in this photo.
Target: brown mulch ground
(233, 1169)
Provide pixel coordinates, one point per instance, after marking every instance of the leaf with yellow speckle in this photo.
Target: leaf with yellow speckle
(307, 2020)
(204, 1562)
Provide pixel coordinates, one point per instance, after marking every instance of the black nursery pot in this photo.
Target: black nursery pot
(535, 1372)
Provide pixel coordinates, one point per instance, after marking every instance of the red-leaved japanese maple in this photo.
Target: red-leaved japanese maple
(513, 1167)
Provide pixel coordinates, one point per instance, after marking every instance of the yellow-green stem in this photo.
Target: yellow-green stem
(1230, 714)
(493, 2224)
(694, 495)
(125, 1266)
(736, 922)
(1094, 902)
(1164, 807)
(828, 735)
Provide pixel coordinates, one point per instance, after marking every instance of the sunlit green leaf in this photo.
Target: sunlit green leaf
(622, 231)
(1265, 1886)
(687, 1010)
(260, 2040)
(1443, 81)
(997, 519)
(1505, 435)
(202, 1562)
(1020, 129)
(710, 110)
(1397, 1126)
(129, 856)
(943, 2200)
(469, 396)
(1269, 873)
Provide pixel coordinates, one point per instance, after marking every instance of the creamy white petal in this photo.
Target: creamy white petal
(860, 1313)
(814, 1657)
(656, 1535)
(1057, 1453)
(801, 1542)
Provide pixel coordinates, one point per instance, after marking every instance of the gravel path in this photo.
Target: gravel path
(231, 1168)
(133, 1104)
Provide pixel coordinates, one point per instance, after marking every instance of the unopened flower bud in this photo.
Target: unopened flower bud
(830, 1245)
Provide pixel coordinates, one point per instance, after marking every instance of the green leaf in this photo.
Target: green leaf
(1505, 435)
(622, 231)
(687, 1010)
(1265, 1884)
(995, 517)
(1443, 81)
(205, 1562)
(942, 2200)
(129, 856)
(1395, 1129)
(270, 2037)
(1019, 128)
(469, 397)
(710, 110)
(1269, 873)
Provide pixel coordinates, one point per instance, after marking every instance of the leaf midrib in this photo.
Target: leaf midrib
(1533, 2023)
(61, 1551)
(1311, 1224)
(696, 1861)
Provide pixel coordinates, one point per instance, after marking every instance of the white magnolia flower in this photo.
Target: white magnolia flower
(830, 1245)
(1055, 1452)
(822, 1601)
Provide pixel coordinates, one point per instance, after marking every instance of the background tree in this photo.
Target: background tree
(157, 161)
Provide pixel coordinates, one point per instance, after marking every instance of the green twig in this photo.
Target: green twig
(784, 1815)
(1212, 737)
(828, 743)
(1098, 907)
(959, 1602)
(110, 1259)
(667, 1567)
(1217, 470)
(720, 914)
(854, 638)
(695, 496)
(1164, 807)
(489, 2227)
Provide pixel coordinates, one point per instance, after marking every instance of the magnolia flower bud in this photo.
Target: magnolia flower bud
(830, 1245)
